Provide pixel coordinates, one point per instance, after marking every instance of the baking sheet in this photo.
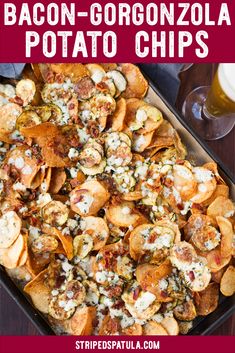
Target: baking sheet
(196, 151)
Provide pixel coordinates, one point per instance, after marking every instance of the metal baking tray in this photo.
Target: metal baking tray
(197, 151)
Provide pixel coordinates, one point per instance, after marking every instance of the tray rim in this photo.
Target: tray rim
(227, 308)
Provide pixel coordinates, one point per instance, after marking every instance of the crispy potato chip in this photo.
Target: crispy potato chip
(133, 330)
(137, 86)
(216, 261)
(227, 284)
(25, 162)
(24, 254)
(123, 214)
(58, 178)
(74, 71)
(109, 66)
(179, 146)
(88, 198)
(19, 274)
(132, 307)
(141, 142)
(39, 292)
(36, 263)
(221, 206)
(118, 117)
(44, 187)
(10, 257)
(213, 167)
(206, 184)
(96, 72)
(227, 234)
(8, 116)
(110, 326)
(26, 89)
(163, 137)
(216, 276)
(97, 228)
(207, 300)
(40, 131)
(195, 223)
(38, 179)
(149, 276)
(81, 323)
(221, 190)
(171, 325)
(10, 225)
(66, 241)
(184, 182)
(153, 328)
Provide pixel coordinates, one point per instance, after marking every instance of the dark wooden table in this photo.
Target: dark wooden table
(12, 319)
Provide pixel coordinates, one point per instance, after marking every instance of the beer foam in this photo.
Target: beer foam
(226, 74)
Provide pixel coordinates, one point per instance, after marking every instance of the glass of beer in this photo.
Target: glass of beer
(211, 110)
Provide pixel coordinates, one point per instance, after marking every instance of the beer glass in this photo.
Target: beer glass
(211, 110)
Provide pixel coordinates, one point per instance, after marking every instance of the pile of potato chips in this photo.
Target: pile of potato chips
(104, 222)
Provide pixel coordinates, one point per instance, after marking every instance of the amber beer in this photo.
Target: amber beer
(221, 97)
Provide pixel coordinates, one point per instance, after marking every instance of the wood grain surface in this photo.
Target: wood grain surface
(12, 319)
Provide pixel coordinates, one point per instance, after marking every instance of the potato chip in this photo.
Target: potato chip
(171, 326)
(153, 328)
(123, 214)
(221, 190)
(26, 89)
(10, 257)
(39, 292)
(118, 117)
(221, 206)
(26, 162)
(184, 182)
(207, 300)
(163, 137)
(141, 142)
(97, 228)
(10, 225)
(227, 234)
(213, 167)
(8, 117)
(58, 178)
(73, 71)
(216, 276)
(149, 277)
(227, 284)
(81, 322)
(216, 261)
(24, 254)
(137, 86)
(66, 241)
(44, 187)
(206, 184)
(96, 72)
(133, 330)
(88, 198)
(19, 274)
